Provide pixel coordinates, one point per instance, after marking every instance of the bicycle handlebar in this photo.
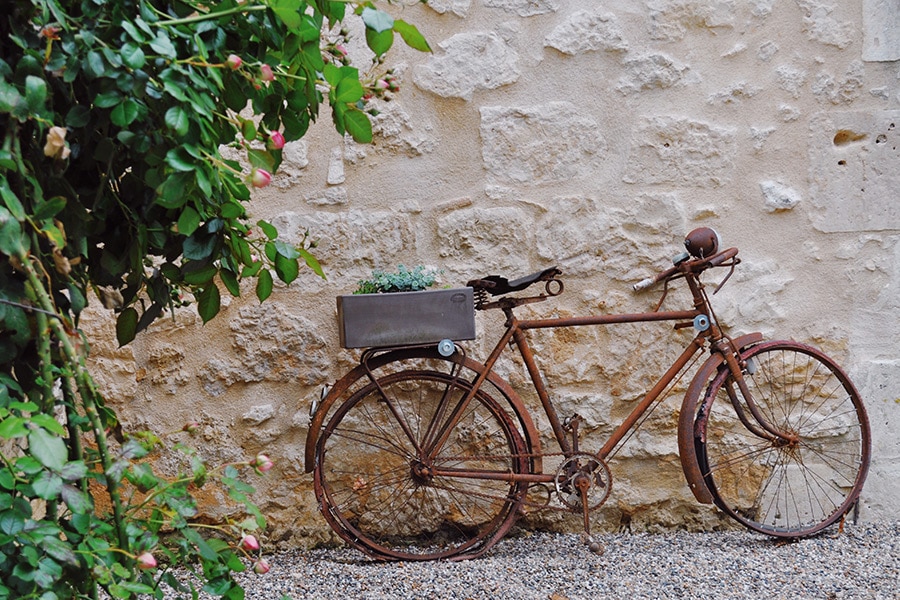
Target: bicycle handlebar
(695, 266)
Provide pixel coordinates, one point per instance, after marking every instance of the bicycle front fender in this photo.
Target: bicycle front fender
(687, 451)
(337, 391)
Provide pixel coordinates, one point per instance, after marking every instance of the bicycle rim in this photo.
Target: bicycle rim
(799, 483)
(384, 493)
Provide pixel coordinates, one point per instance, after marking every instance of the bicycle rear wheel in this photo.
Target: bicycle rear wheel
(385, 490)
(803, 480)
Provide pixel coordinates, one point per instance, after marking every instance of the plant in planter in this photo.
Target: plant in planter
(403, 280)
(396, 309)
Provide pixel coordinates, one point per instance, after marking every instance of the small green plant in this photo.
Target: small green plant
(404, 280)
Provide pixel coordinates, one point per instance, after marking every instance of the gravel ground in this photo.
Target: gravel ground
(861, 562)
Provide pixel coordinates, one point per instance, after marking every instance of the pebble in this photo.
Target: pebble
(862, 562)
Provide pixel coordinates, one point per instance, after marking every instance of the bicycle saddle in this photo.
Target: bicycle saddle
(496, 285)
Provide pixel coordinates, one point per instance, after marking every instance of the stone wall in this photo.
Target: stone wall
(589, 135)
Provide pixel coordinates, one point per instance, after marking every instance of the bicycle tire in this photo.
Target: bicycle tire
(798, 484)
(377, 486)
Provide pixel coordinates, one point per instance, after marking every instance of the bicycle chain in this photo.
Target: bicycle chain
(524, 501)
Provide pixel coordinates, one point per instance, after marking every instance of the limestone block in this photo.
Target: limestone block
(791, 79)
(525, 8)
(259, 414)
(398, 134)
(272, 344)
(821, 26)
(766, 51)
(827, 87)
(294, 160)
(680, 151)
(352, 239)
(460, 8)
(330, 196)
(881, 30)
(734, 94)
(468, 62)
(778, 196)
(670, 20)
(881, 394)
(595, 238)
(557, 141)
(476, 241)
(651, 71)
(853, 170)
(336, 174)
(586, 31)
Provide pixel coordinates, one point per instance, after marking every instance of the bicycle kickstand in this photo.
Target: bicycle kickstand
(583, 485)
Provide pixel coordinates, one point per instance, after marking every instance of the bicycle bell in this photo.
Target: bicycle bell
(702, 242)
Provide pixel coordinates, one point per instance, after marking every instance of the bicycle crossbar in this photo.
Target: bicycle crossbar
(674, 315)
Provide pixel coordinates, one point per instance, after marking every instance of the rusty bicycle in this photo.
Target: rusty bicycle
(423, 453)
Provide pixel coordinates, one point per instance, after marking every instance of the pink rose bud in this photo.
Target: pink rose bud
(260, 178)
(261, 567)
(340, 49)
(276, 141)
(263, 463)
(266, 73)
(234, 62)
(249, 543)
(381, 84)
(191, 427)
(146, 561)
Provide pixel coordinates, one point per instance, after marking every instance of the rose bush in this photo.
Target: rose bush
(113, 185)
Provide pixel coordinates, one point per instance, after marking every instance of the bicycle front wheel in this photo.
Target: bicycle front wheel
(388, 486)
(806, 477)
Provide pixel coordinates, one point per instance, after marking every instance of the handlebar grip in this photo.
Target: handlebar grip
(643, 284)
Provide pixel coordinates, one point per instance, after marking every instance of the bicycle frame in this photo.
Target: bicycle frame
(724, 352)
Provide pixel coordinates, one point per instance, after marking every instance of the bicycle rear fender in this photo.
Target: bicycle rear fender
(687, 452)
(317, 422)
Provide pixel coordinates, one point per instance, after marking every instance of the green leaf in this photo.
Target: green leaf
(179, 159)
(379, 41)
(189, 221)
(9, 97)
(377, 20)
(49, 208)
(173, 191)
(348, 90)
(177, 120)
(163, 45)
(268, 229)
(126, 326)
(11, 200)
(48, 423)
(289, 11)
(200, 275)
(94, 65)
(287, 269)
(208, 302)
(13, 427)
(133, 56)
(231, 282)
(312, 262)
(358, 125)
(125, 113)
(264, 285)
(48, 448)
(12, 241)
(411, 36)
(35, 93)
(47, 485)
(78, 116)
(286, 250)
(78, 501)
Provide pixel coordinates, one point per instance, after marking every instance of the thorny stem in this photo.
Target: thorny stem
(87, 390)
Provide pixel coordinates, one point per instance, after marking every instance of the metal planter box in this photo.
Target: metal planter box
(406, 318)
